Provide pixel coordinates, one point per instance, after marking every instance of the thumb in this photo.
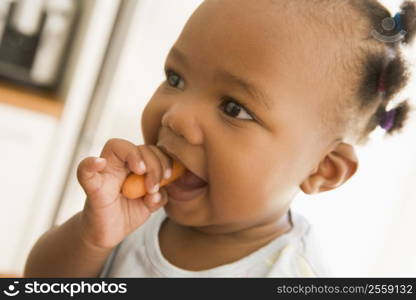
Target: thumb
(88, 173)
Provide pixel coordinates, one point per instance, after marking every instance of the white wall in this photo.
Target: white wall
(36, 150)
(26, 138)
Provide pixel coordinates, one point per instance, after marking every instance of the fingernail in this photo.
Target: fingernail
(156, 198)
(142, 167)
(99, 160)
(155, 189)
(168, 173)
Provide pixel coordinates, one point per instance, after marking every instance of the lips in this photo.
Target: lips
(187, 187)
(190, 181)
(195, 179)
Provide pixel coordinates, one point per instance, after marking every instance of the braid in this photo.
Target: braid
(385, 72)
(408, 9)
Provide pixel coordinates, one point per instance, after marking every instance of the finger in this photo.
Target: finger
(165, 160)
(153, 201)
(121, 152)
(88, 173)
(135, 162)
(164, 194)
(154, 169)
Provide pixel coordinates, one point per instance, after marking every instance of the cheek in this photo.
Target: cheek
(151, 121)
(239, 191)
(250, 184)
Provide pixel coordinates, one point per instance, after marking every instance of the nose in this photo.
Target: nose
(181, 119)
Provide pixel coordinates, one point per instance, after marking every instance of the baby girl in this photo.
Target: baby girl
(262, 99)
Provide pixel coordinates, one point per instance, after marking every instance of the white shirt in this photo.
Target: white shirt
(290, 255)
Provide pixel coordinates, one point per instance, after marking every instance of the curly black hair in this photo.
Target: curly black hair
(380, 68)
(361, 43)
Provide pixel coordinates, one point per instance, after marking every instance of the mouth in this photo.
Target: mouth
(188, 186)
(182, 192)
(190, 176)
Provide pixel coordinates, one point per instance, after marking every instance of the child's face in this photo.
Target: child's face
(254, 156)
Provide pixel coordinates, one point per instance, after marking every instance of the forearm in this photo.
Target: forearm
(61, 252)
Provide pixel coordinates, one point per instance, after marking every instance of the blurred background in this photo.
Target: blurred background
(75, 73)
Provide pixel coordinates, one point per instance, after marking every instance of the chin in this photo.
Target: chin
(184, 217)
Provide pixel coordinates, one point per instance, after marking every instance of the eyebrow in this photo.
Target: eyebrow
(248, 87)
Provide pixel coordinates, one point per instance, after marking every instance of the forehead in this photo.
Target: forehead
(226, 38)
(260, 42)
(230, 33)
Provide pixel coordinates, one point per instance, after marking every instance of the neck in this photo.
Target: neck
(199, 248)
(264, 231)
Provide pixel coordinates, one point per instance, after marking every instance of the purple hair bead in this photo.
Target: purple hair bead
(387, 121)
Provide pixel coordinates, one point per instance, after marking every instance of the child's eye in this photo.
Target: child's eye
(233, 108)
(230, 106)
(174, 79)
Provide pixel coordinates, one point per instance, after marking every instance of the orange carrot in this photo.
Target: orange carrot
(134, 187)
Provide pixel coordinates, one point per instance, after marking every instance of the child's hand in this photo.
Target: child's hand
(108, 217)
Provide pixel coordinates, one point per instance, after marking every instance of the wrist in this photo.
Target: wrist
(89, 238)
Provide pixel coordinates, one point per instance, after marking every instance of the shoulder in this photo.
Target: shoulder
(300, 255)
(309, 255)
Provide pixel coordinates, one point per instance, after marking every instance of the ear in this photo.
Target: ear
(333, 171)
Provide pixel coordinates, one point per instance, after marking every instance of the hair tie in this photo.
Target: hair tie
(390, 55)
(382, 81)
(398, 22)
(388, 119)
